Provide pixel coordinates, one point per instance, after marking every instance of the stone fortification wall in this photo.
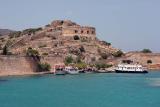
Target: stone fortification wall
(16, 64)
(53, 60)
(21, 65)
(79, 31)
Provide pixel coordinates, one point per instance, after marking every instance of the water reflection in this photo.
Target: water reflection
(155, 82)
(3, 80)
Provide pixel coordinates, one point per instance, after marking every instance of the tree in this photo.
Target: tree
(104, 55)
(32, 52)
(68, 60)
(5, 50)
(82, 49)
(118, 53)
(146, 51)
(44, 67)
(45, 54)
(106, 43)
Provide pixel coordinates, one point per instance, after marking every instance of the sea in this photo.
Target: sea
(82, 90)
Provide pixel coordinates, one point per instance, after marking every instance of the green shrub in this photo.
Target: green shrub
(118, 53)
(44, 67)
(2, 39)
(108, 65)
(31, 30)
(103, 55)
(45, 54)
(82, 49)
(32, 52)
(81, 65)
(103, 65)
(78, 60)
(5, 50)
(106, 43)
(42, 46)
(68, 60)
(15, 34)
(146, 51)
(100, 65)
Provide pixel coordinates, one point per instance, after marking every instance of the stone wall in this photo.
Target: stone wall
(16, 64)
(53, 60)
(79, 31)
(21, 65)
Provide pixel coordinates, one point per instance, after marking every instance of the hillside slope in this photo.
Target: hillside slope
(5, 31)
(149, 60)
(61, 38)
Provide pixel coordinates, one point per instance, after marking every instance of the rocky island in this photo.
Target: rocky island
(38, 50)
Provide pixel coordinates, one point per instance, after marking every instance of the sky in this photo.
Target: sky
(130, 25)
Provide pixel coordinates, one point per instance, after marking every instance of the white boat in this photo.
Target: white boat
(60, 72)
(59, 69)
(71, 70)
(130, 68)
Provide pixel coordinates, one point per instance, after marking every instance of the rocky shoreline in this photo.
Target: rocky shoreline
(23, 74)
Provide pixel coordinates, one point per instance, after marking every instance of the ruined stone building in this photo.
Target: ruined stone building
(67, 28)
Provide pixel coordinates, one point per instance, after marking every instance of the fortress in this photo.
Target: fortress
(68, 28)
(55, 42)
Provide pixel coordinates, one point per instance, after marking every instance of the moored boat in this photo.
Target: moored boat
(59, 69)
(71, 70)
(60, 72)
(130, 68)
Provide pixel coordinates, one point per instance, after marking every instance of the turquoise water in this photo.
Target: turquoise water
(84, 90)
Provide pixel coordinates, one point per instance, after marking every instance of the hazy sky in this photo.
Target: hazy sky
(127, 24)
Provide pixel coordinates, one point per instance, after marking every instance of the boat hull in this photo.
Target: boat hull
(119, 71)
(72, 72)
(60, 73)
